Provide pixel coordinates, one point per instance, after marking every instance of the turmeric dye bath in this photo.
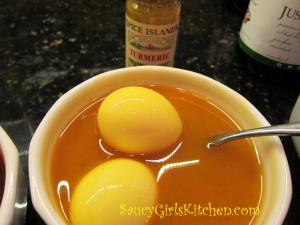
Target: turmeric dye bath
(196, 184)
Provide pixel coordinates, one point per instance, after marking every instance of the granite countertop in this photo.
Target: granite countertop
(48, 47)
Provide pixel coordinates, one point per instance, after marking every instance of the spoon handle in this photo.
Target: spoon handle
(291, 129)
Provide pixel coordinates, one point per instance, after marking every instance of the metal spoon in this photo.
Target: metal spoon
(292, 129)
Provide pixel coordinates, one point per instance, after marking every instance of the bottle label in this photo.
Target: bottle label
(270, 33)
(150, 44)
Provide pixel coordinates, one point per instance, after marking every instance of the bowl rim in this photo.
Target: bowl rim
(49, 214)
(11, 162)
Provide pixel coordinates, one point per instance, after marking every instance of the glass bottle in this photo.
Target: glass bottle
(269, 39)
(151, 31)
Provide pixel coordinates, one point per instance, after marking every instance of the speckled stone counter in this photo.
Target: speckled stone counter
(48, 47)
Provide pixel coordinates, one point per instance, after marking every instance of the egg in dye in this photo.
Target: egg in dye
(106, 191)
(138, 120)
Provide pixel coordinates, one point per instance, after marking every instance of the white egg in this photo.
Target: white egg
(138, 120)
(105, 194)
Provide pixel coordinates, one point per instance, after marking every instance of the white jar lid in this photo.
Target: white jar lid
(295, 117)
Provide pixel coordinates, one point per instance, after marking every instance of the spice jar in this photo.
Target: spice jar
(151, 31)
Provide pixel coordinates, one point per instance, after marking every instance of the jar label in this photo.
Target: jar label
(150, 44)
(270, 33)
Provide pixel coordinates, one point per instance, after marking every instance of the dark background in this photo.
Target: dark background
(48, 47)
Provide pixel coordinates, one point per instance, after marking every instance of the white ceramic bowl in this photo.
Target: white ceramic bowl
(13, 205)
(277, 180)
